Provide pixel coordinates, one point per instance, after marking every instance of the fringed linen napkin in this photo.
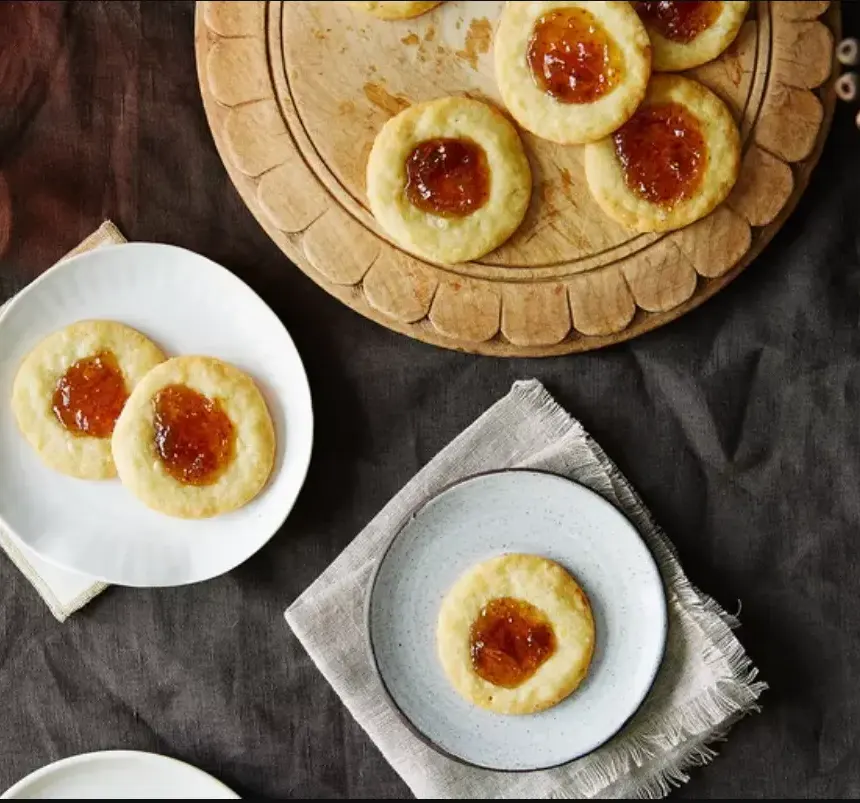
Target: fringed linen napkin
(706, 682)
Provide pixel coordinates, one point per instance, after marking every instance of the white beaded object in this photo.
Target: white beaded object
(848, 52)
(847, 87)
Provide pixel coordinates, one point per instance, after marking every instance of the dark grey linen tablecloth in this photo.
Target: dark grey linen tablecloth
(739, 425)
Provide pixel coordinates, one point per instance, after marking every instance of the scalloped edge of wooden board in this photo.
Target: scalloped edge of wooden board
(505, 336)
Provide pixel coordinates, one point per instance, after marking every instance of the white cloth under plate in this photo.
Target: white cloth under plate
(64, 591)
(706, 682)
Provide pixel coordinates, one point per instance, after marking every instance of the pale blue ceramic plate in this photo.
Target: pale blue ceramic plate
(517, 511)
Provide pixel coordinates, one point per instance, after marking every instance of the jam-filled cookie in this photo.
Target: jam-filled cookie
(395, 9)
(515, 634)
(673, 162)
(195, 438)
(571, 72)
(687, 33)
(71, 388)
(449, 179)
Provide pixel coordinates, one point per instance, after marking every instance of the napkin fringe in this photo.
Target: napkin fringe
(675, 772)
(729, 700)
(656, 751)
(531, 393)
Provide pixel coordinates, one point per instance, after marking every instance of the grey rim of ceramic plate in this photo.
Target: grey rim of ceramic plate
(392, 703)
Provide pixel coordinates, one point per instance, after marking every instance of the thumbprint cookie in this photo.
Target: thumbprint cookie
(515, 634)
(673, 162)
(687, 33)
(195, 438)
(571, 72)
(72, 387)
(395, 9)
(449, 180)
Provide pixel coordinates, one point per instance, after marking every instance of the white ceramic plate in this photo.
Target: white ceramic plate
(187, 305)
(119, 774)
(517, 511)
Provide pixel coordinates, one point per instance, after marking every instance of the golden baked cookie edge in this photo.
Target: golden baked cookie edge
(606, 180)
(449, 240)
(242, 480)
(556, 593)
(78, 456)
(542, 115)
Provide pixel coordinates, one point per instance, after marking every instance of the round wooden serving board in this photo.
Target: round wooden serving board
(295, 93)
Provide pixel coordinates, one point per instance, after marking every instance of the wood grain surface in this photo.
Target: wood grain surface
(296, 92)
